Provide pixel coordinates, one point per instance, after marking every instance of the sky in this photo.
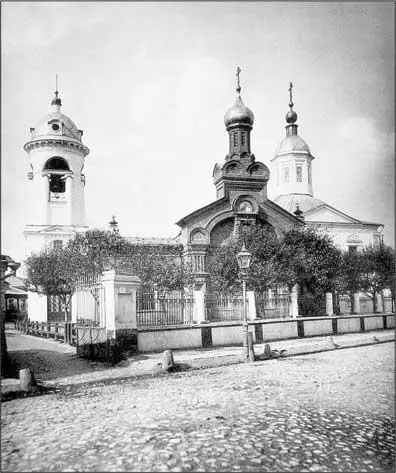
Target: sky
(149, 83)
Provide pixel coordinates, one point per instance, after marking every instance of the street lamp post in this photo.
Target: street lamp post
(244, 257)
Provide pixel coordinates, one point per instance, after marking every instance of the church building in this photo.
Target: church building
(292, 168)
(57, 194)
(241, 191)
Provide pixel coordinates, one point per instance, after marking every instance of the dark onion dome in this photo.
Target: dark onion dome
(239, 113)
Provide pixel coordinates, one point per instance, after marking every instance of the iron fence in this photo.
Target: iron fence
(219, 307)
(155, 309)
(275, 307)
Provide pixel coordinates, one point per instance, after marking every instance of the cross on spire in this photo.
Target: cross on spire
(238, 88)
(291, 95)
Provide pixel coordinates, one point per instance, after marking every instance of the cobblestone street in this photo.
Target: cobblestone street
(330, 411)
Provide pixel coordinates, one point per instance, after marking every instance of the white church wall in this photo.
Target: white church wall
(344, 237)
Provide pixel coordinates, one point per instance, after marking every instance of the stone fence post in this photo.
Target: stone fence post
(251, 301)
(329, 304)
(199, 307)
(293, 312)
(379, 302)
(356, 303)
(120, 308)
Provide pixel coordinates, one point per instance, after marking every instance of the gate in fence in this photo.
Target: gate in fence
(223, 307)
(273, 307)
(155, 309)
(90, 303)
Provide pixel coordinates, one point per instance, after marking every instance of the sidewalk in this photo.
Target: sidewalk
(57, 365)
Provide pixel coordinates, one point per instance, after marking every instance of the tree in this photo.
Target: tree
(377, 271)
(348, 281)
(262, 242)
(313, 262)
(55, 272)
(58, 271)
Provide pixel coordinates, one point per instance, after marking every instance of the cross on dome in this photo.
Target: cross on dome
(238, 88)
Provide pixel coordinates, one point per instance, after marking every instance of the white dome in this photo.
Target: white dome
(291, 144)
(56, 125)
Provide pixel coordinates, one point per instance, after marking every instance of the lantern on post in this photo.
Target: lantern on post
(244, 258)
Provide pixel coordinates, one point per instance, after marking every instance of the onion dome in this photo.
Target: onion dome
(239, 113)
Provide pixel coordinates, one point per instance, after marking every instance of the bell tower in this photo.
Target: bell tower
(293, 159)
(56, 183)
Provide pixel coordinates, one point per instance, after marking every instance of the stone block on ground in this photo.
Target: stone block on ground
(267, 352)
(26, 380)
(168, 363)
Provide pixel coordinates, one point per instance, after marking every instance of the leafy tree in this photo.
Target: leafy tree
(262, 242)
(348, 281)
(301, 256)
(55, 272)
(377, 271)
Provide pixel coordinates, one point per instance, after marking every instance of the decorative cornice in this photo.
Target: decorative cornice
(50, 142)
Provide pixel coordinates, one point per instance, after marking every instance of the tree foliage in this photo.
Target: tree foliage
(301, 256)
(377, 270)
(57, 271)
(223, 265)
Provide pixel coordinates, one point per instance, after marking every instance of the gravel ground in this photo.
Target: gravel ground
(330, 411)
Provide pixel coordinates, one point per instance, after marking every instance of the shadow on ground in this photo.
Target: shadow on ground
(48, 364)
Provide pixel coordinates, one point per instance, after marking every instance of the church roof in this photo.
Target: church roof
(305, 202)
(292, 144)
(308, 204)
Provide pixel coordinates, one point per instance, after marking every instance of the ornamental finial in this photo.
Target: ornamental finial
(56, 100)
(238, 87)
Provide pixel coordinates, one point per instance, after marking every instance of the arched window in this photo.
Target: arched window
(56, 164)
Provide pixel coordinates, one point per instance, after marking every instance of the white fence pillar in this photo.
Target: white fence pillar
(294, 302)
(37, 307)
(199, 307)
(356, 302)
(120, 300)
(329, 303)
(379, 303)
(74, 308)
(251, 300)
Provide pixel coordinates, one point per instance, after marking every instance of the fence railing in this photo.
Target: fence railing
(66, 332)
(89, 300)
(153, 309)
(224, 307)
(275, 307)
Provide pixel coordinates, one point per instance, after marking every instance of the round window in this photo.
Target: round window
(55, 127)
